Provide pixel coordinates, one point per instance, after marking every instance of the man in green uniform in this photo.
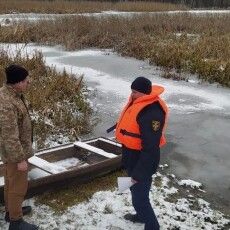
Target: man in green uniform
(15, 145)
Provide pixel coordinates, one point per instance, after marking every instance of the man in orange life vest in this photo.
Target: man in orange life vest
(140, 130)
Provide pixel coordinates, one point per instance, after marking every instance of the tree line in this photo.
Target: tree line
(191, 3)
(200, 3)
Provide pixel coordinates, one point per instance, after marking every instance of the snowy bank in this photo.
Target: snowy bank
(105, 210)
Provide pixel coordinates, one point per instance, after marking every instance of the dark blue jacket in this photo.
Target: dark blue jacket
(141, 165)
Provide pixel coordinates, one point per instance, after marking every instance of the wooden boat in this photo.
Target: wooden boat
(79, 162)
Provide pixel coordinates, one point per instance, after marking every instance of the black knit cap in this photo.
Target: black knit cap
(15, 74)
(142, 85)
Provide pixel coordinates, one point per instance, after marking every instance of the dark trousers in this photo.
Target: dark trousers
(142, 205)
(14, 190)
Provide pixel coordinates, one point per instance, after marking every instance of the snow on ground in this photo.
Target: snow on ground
(105, 210)
(191, 183)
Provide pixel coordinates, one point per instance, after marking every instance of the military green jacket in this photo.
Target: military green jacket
(15, 127)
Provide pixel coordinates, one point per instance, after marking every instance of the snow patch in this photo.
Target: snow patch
(190, 183)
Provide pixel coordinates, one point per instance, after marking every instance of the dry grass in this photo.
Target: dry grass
(61, 6)
(184, 42)
(57, 103)
(72, 194)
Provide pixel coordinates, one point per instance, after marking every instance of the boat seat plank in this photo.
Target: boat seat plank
(109, 141)
(94, 149)
(45, 165)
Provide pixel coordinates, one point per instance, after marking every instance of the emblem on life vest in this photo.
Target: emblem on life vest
(156, 125)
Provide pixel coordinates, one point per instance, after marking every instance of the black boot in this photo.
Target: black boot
(25, 210)
(21, 225)
(133, 218)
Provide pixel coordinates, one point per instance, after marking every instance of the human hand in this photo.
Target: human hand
(22, 166)
(133, 181)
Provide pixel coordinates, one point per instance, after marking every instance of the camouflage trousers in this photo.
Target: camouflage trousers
(15, 189)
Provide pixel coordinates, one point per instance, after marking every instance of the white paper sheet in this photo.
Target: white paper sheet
(124, 183)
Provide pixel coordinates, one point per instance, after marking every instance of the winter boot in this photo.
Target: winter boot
(133, 218)
(22, 225)
(25, 210)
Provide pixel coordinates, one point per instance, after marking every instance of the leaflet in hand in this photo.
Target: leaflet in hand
(124, 183)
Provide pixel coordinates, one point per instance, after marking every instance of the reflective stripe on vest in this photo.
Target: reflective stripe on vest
(127, 130)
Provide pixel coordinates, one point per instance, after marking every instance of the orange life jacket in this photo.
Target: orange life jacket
(127, 129)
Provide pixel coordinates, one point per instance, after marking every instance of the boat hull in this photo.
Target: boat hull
(91, 165)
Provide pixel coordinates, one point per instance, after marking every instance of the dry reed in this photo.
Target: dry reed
(62, 6)
(188, 43)
(57, 103)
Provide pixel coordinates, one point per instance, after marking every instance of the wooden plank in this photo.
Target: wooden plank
(45, 165)
(109, 141)
(94, 149)
(50, 150)
(53, 149)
